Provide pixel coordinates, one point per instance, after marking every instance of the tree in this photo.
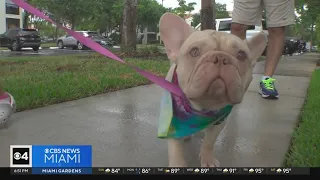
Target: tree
(129, 26)
(207, 14)
(221, 12)
(105, 16)
(149, 13)
(309, 11)
(196, 19)
(66, 12)
(184, 8)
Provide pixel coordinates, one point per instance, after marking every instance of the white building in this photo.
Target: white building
(10, 16)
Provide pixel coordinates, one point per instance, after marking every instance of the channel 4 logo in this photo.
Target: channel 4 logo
(51, 156)
(20, 156)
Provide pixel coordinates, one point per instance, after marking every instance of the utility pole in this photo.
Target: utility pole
(208, 14)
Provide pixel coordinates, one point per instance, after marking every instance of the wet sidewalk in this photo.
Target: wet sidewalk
(122, 126)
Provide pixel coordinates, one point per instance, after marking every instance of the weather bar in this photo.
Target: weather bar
(202, 171)
(166, 171)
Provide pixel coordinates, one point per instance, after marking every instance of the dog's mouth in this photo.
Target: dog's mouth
(206, 81)
(215, 89)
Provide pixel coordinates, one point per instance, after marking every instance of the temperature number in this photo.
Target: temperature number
(286, 170)
(232, 170)
(115, 170)
(145, 170)
(204, 170)
(174, 170)
(259, 170)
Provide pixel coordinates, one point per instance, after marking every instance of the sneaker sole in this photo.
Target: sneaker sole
(269, 96)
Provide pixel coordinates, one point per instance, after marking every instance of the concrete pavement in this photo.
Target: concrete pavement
(122, 126)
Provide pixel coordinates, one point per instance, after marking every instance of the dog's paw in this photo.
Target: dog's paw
(208, 160)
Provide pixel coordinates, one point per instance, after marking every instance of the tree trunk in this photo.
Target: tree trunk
(56, 32)
(129, 26)
(208, 14)
(311, 36)
(26, 20)
(73, 24)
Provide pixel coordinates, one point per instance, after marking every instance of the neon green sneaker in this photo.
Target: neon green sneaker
(268, 89)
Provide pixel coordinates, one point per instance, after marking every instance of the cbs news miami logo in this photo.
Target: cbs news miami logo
(50, 156)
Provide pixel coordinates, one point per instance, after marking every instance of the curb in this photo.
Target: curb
(48, 48)
(162, 50)
(7, 50)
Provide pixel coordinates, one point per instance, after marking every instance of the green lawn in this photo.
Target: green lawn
(44, 80)
(305, 147)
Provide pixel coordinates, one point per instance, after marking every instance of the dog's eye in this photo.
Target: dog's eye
(241, 55)
(194, 52)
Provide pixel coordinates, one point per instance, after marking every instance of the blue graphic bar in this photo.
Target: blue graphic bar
(62, 156)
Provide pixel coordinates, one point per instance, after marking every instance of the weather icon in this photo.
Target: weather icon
(251, 170)
(279, 170)
(107, 170)
(167, 171)
(225, 170)
(196, 170)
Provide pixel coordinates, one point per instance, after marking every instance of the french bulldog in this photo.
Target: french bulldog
(213, 69)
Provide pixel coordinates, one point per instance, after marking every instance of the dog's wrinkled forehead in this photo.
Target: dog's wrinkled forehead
(214, 40)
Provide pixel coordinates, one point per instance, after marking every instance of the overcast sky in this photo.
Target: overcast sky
(174, 3)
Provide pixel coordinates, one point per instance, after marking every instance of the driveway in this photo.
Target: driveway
(122, 126)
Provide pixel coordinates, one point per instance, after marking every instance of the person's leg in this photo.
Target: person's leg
(7, 106)
(279, 13)
(245, 12)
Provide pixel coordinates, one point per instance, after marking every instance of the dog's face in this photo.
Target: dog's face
(213, 68)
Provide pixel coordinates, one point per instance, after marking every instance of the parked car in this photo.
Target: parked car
(15, 39)
(291, 45)
(314, 49)
(70, 41)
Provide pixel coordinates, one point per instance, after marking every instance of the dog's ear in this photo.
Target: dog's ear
(173, 32)
(257, 45)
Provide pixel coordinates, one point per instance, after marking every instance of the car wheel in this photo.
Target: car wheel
(80, 46)
(60, 45)
(15, 46)
(35, 48)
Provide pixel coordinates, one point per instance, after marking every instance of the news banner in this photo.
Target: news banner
(77, 160)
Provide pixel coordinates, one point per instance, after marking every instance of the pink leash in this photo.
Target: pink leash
(98, 48)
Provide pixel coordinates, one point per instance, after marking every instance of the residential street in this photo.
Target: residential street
(42, 52)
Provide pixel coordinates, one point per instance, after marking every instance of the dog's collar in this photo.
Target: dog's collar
(178, 119)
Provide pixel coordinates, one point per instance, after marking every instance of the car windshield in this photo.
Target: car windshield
(28, 32)
(226, 26)
(93, 34)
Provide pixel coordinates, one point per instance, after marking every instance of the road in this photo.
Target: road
(41, 52)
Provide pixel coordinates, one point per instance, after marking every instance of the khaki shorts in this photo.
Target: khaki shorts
(278, 12)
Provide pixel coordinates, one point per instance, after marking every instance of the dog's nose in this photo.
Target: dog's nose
(221, 59)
